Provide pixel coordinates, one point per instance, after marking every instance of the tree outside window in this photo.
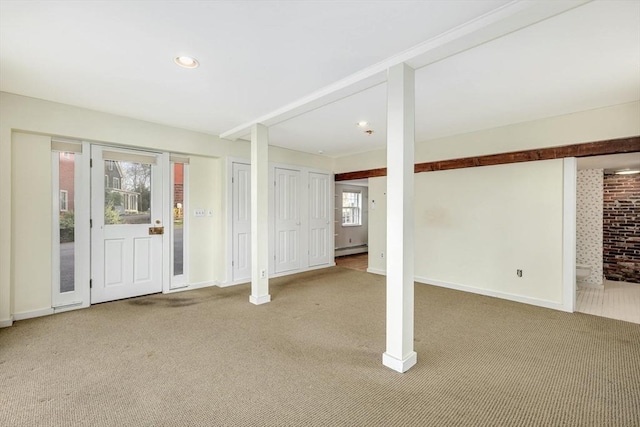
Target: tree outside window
(351, 208)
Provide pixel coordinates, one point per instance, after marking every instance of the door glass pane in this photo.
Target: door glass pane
(67, 223)
(178, 218)
(127, 193)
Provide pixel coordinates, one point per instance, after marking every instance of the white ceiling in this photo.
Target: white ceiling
(257, 56)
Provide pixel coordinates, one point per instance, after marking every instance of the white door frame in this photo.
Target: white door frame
(228, 279)
(159, 210)
(80, 297)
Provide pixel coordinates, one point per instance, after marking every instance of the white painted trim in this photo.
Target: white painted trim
(31, 314)
(6, 322)
(569, 215)
(192, 287)
(262, 299)
(285, 273)
(182, 280)
(166, 210)
(494, 24)
(234, 283)
(490, 293)
(376, 271)
(398, 365)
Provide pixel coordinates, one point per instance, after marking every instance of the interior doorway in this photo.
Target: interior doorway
(352, 223)
(608, 285)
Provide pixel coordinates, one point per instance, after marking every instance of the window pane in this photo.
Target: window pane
(178, 219)
(67, 223)
(351, 206)
(128, 199)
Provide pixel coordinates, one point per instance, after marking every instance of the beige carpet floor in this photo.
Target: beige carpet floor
(312, 357)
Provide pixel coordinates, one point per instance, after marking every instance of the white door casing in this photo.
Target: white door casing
(127, 260)
(287, 220)
(320, 234)
(241, 222)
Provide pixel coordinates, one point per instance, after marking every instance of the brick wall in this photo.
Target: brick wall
(621, 228)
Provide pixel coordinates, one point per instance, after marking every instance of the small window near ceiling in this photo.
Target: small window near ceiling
(351, 208)
(64, 201)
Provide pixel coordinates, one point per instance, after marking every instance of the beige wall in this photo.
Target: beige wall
(31, 211)
(26, 125)
(475, 227)
(618, 121)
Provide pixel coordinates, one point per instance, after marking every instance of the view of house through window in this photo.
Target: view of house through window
(127, 192)
(178, 219)
(66, 221)
(351, 208)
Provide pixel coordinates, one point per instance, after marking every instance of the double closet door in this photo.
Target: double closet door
(300, 220)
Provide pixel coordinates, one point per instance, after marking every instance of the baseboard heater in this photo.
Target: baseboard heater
(351, 250)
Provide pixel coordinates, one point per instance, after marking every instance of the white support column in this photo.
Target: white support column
(259, 210)
(400, 218)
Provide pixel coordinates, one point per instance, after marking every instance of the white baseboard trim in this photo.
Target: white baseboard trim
(191, 287)
(398, 365)
(496, 294)
(273, 276)
(31, 314)
(259, 300)
(376, 271)
(5, 323)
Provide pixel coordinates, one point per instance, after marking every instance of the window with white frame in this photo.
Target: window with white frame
(64, 201)
(116, 182)
(351, 208)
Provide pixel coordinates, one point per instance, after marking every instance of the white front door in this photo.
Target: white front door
(319, 219)
(287, 220)
(241, 222)
(126, 234)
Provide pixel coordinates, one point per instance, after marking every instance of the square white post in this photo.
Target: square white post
(400, 218)
(259, 210)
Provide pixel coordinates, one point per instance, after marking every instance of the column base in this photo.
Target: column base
(259, 300)
(398, 365)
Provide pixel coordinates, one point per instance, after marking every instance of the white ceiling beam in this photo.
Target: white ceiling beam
(497, 23)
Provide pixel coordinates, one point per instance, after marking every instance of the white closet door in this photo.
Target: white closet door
(319, 219)
(287, 220)
(241, 222)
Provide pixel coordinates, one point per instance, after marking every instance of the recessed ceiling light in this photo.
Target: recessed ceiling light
(627, 172)
(362, 124)
(186, 61)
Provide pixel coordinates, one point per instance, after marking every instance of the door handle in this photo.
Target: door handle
(156, 230)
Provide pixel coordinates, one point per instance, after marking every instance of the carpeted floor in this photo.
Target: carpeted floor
(312, 357)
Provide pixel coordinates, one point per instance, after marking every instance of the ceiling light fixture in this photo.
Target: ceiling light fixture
(368, 131)
(627, 172)
(186, 61)
(362, 124)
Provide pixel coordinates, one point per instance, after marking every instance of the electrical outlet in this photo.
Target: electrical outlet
(519, 273)
(263, 274)
(381, 254)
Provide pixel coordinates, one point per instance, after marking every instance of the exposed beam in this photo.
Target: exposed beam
(492, 25)
(587, 149)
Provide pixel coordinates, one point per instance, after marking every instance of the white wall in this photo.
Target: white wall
(475, 227)
(589, 216)
(618, 121)
(24, 288)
